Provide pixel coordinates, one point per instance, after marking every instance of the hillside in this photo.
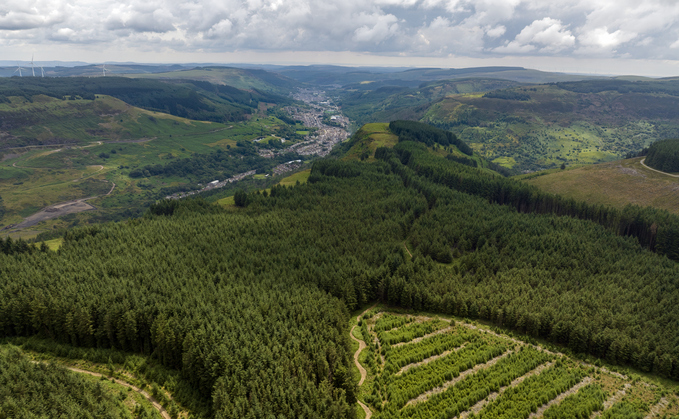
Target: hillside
(616, 184)
(56, 151)
(250, 305)
(533, 127)
(194, 100)
(247, 79)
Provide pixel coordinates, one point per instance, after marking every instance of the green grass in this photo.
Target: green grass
(292, 180)
(54, 244)
(370, 137)
(616, 184)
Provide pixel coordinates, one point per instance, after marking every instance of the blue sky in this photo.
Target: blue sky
(593, 36)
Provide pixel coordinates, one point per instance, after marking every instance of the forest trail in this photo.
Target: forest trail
(650, 168)
(361, 346)
(366, 409)
(146, 395)
(364, 373)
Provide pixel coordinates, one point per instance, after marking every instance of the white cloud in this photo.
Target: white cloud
(545, 35)
(601, 38)
(384, 27)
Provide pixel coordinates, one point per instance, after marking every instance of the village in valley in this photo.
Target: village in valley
(321, 113)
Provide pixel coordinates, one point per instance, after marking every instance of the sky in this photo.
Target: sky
(582, 36)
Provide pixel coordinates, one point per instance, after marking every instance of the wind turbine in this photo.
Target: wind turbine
(42, 71)
(32, 67)
(18, 69)
(103, 69)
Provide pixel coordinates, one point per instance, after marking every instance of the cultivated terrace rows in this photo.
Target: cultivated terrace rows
(429, 367)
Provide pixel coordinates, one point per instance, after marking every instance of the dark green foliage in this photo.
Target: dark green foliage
(664, 155)
(9, 246)
(427, 134)
(32, 390)
(240, 198)
(252, 305)
(656, 229)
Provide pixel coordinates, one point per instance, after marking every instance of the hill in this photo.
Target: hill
(250, 305)
(664, 155)
(533, 127)
(615, 184)
(115, 155)
(240, 78)
(193, 100)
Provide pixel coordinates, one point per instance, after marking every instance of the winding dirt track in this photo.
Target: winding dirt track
(650, 168)
(361, 346)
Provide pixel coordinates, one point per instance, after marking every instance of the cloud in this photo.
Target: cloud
(475, 28)
(546, 35)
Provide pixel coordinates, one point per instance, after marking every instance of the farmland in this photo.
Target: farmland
(460, 369)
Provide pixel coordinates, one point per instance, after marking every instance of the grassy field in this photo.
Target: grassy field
(616, 184)
(425, 366)
(370, 137)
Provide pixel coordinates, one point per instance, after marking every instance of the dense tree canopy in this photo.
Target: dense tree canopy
(664, 155)
(251, 304)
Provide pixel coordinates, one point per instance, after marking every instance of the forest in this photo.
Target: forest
(251, 304)
(663, 155)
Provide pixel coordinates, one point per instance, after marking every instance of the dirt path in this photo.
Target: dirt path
(364, 373)
(559, 398)
(650, 168)
(361, 346)
(112, 188)
(366, 409)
